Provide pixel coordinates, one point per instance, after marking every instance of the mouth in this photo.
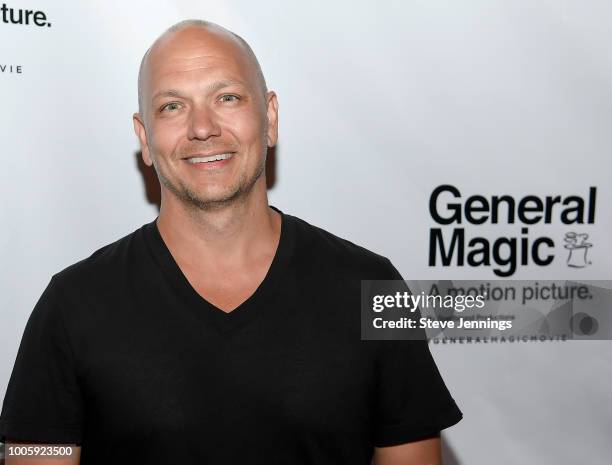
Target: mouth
(210, 159)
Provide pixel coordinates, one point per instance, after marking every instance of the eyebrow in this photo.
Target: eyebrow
(213, 87)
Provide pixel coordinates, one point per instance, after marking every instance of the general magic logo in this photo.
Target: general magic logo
(458, 246)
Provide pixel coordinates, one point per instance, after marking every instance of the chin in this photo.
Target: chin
(210, 200)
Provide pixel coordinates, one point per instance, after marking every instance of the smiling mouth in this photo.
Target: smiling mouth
(211, 158)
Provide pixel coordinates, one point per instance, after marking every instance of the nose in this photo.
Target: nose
(203, 124)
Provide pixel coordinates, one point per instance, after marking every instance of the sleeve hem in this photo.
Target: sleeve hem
(408, 432)
(43, 434)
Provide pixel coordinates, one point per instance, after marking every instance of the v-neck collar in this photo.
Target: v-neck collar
(202, 308)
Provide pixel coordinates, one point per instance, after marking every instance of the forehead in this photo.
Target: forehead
(196, 54)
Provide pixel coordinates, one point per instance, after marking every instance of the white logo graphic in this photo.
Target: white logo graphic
(578, 249)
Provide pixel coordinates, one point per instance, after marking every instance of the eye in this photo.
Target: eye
(170, 106)
(229, 98)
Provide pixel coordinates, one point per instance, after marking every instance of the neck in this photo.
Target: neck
(230, 235)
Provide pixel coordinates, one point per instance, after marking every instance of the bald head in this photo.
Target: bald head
(201, 29)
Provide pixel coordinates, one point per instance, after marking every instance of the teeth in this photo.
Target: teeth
(221, 156)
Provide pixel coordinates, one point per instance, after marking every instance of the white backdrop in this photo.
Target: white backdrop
(380, 102)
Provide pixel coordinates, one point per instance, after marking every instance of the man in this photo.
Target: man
(225, 331)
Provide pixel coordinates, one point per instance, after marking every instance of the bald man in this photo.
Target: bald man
(225, 331)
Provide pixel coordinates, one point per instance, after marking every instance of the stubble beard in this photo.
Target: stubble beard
(193, 200)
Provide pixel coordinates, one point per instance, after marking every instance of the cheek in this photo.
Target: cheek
(247, 129)
(165, 139)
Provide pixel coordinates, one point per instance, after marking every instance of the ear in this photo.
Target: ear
(272, 114)
(139, 129)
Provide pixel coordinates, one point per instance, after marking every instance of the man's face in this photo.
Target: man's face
(202, 101)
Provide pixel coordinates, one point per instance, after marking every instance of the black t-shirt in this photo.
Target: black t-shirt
(123, 357)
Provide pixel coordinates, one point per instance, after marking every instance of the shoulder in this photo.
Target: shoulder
(105, 264)
(330, 251)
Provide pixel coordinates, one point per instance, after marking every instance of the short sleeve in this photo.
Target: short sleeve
(413, 402)
(43, 401)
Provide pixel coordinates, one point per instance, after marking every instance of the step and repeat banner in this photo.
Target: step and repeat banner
(469, 142)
